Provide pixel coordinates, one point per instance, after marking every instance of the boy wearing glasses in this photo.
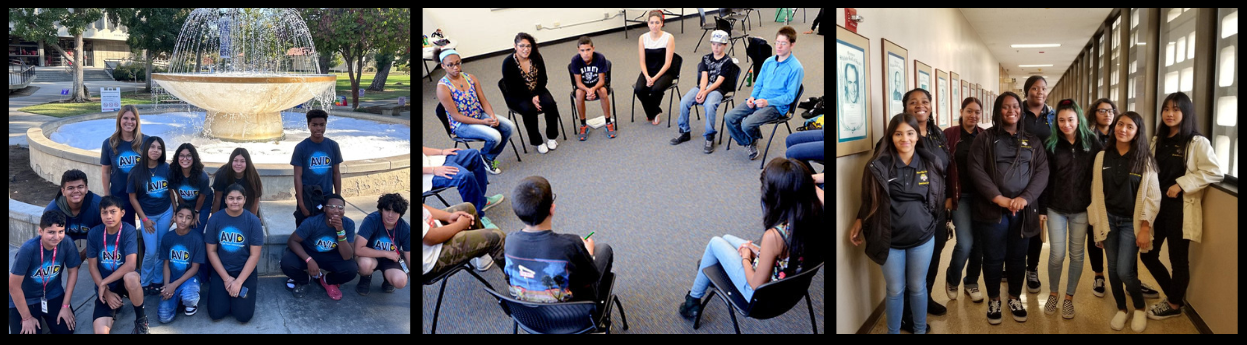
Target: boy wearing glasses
(325, 241)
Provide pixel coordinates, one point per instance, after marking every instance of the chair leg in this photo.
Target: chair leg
(732, 311)
(705, 301)
(669, 99)
(768, 144)
(634, 105)
(561, 127)
(472, 271)
(517, 152)
(438, 309)
(439, 197)
(809, 305)
(621, 313)
(515, 327)
(703, 37)
(520, 132)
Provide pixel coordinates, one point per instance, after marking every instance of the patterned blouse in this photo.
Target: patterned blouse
(777, 272)
(530, 77)
(467, 102)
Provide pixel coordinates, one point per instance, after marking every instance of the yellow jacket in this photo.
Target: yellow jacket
(1201, 170)
(1146, 204)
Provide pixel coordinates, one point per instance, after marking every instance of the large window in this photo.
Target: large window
(1138, 60)
(1177, 39)
(1102, 71)
(1115, 64)
(1225, 92)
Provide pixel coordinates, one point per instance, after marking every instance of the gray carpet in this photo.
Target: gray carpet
(656, 204)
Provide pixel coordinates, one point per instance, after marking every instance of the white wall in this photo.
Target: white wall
(941, 38)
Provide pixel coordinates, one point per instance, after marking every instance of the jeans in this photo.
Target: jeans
(906, 269)
(495, 138)
(966, 248)
(153, 269)
(187, 293)
(808, 145)
(1060, 227)
(1122, 253)
(743, 122)
(471, 179)
(711, 103)
(1002, 241)
(722, 251)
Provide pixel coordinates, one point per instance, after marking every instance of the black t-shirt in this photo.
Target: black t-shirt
(963, 159)
(1170, 160)
(1013, 162)
(912, 223)
(550, 267)
(1120, 185)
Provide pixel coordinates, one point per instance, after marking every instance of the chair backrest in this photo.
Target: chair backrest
(792, 108)
(721, 23)
(702, 13)
(502, 86)
(777, 297)
(676, 63)
(441, 115)
(549, 318)
(571, 75)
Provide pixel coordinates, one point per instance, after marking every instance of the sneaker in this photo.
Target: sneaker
(709, 148)
(993, 312)
(299, 290)
(952, 292)
(332, 289)
(365, 282)
(552, 144)
(1067, 309)
(973, 292)
(1148, 291)
(935, 308)
(691, 307)
(1098, 286)
(686, 136)
(1019, 311)
(907, 325)
(483, 263)
(610, 130)
(289, 284)
(140, 326)
(583, 133)
(752, 149)
(1050, 305)
(1140, 321)
(487, 224)
(542, 148)
(1119, 321)
(1032, 281)
(190, 311)
(492, 201)
(1162, 311)
(491, 166)
(386, 287)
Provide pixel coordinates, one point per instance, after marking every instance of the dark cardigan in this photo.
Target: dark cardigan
(517, 89)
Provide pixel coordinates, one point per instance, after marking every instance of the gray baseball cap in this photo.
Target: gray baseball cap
(719, 36)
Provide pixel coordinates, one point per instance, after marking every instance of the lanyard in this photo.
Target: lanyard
(393, 240)
(116, 245)
(45, 277)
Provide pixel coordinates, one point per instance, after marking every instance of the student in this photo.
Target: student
(112, 267)
(1038, 119)
(589, 70)
(715, 70)
(451, 237)
(183, 253)
(468, 111)
(239, 170)
(903, 185)
(323, 242)
(548, 267)
(525, 75)
(1105, 110)
(120, 153)
(37, 284)
(777, 86)
(1063, 205)
(382, 236)
(918, 102)
(149, 194)
(655, 50)
(316, 163)
(962, 194)
(1009, 170)
(233, 243)
(1125, 197)
(461, 169)
(790, 244)
(80, 205)
(1186, 164)
(191, 181)
(805, 146)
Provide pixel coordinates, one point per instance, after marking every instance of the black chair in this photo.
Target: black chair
(502, 86)
(610, 91)
(562, 318)
(733, 35)
(676, 60)
(443, 277)
(706, 27)
(437, 193)
(768, 301)
(784, 120)
(441, 115)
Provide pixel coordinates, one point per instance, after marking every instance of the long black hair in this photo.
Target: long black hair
(886, 146)
(140, 173)
(789, 197)
(998, 120)
(531, 40)
(1187, 128)
(197, 166)
(1140, 156)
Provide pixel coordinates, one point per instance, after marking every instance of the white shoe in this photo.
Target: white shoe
(483, 263)
(552, 144)
(952, 292)
(1140, 321)
(973, 292)
(542, 148)
(1119, 321)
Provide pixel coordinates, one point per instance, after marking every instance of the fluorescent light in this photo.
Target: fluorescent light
(1035, 45)
(1025, 66)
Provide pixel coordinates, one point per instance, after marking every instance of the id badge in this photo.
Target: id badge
(43, 301)
(403, 264)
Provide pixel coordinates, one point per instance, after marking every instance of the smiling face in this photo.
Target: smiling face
(334, 209)
(1010, 110)
(971, 114)
(53, 234)
(919, 105)
(1171, 115)
(524, 48)
(234, 201)
(389, 217)
(1067, 121)
(1125, 130)
(74, 191)
(185, 159)
(239, 163)
(905, 137)
(128, 122)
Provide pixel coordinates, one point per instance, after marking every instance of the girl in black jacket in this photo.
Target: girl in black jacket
(524, 74)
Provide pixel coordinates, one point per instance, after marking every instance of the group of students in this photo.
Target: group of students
(1097, 184)
(524, 74)
(215, 223)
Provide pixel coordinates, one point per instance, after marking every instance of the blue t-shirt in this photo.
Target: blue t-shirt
(88, 216)
(38, 271)
(188, 190)
(589, 72)
(103, 246)
(234, 236)
(152, 190)
(319, 237)
(121, 162)
(373, 229)
(181, 252)
(317, 161)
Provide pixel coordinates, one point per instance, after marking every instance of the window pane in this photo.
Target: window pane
(1227, 67)
(1227, 111)
(1225, 92)
(1229, 25)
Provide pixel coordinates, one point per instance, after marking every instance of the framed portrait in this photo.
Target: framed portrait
(942, 101)
(852, 93)
(924, 77)
(965, 89)
(954, 84)
(895, 64)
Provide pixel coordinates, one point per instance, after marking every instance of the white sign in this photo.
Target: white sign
(110, 99)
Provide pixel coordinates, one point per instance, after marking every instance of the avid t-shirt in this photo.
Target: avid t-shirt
(373, 229)
(317, 161)
(189, 189)
(110, 250)
(233, 237)
(181, 251)
(319, 237)
(121, 162)
(152, 190)
(47, 269)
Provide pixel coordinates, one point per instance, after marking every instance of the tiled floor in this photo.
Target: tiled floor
(1092, 314)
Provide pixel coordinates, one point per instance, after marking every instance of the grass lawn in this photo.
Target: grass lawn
(75, 109)
(392, 87)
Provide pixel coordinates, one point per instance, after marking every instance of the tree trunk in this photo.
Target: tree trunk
(79, 94)
(378, 81)
(148, 58)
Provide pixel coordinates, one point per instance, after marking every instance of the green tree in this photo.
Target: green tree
(41, 25)
(154, 30)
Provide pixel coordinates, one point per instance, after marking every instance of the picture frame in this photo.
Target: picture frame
(942, 101)
(954, 83)
(853, 102)
(895, 83)
(924, 77)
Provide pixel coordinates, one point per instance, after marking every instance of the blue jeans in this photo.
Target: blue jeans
(722, 251)
(966, 248)
(1060, 227)
(1122, 253)
(808, 145)
(1003, 243)
(713, 98)
(187, 293)
(743, 122)
(153, 270)
(906, 269)
(471, 179)
(495, 138)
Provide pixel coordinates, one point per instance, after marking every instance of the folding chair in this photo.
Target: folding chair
(562, 318)
(441, 115)
(443, 276)
(768, 301)
(676, 61)
(610, 91)
(502, 86)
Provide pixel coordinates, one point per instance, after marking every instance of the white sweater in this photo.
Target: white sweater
(1146, 204)
(1201, 170)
